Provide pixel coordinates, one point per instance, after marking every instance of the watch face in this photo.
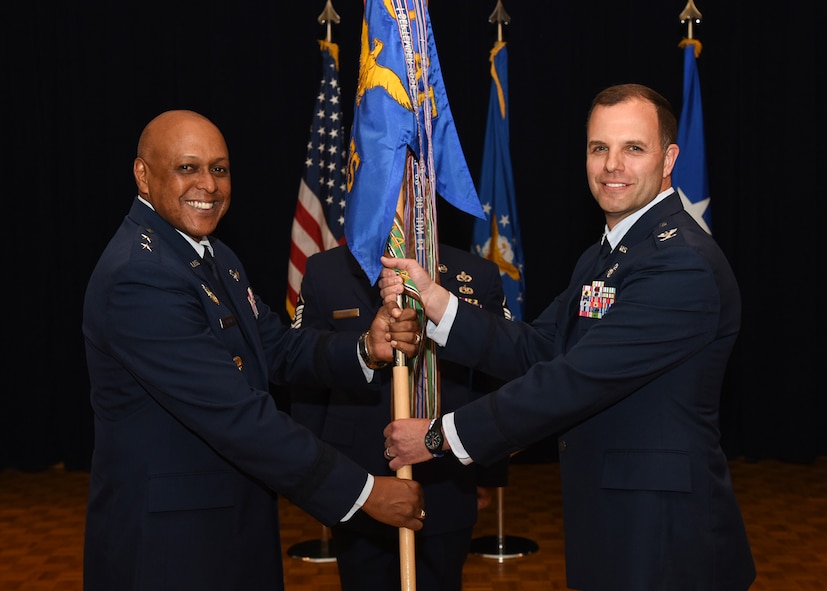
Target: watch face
(433, 440)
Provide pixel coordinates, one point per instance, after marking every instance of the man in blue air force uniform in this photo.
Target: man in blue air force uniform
(190, 449)
(626, 365)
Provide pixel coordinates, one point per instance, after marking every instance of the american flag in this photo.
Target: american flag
(319, 221)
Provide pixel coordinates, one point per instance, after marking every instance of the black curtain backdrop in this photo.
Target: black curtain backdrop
(82, 78)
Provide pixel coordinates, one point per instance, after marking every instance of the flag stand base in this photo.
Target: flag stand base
(320, 550)
(501, 546)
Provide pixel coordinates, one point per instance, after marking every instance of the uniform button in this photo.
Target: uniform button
(561, 445)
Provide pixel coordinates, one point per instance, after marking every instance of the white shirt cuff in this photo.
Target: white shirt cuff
(361, 499)
(439, 332)
(368, 372)
(453, 439)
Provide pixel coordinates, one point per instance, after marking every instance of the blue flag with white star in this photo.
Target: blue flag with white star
(497, 237)
(399, 80)
(690, 177)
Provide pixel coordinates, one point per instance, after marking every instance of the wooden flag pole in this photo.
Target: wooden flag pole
(402, 410)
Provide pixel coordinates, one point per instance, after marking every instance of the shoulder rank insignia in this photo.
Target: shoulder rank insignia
(667, 234)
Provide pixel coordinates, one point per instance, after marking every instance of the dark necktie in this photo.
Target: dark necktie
(602, 256)
(209, 260)
(605, 249)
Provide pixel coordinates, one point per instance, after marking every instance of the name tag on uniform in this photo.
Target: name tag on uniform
(346, 313)
(227, 321)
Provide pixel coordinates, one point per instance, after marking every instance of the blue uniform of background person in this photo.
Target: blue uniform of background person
(633, 390)
(189, 445)
(336, 294)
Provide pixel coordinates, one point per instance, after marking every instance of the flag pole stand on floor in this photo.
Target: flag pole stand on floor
(501, 546)
(318, 550)
(321, 549)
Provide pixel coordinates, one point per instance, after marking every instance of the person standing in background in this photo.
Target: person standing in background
(336, 295)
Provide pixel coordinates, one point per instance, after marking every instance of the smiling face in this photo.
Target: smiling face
(183, 170)
(627, 164)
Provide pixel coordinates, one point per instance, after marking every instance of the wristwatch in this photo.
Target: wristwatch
(433, 438)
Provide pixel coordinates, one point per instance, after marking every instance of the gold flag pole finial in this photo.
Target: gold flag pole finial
(692, 16)
(500, 16)
(328, 17)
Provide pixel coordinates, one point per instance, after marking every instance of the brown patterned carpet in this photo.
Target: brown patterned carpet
(784, 506)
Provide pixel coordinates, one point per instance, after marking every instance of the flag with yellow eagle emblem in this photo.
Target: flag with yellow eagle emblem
(401, 108)
(404, 150)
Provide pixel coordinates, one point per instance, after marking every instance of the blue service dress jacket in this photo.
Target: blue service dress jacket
(190, 449)
(626, 367)
(337, 295)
